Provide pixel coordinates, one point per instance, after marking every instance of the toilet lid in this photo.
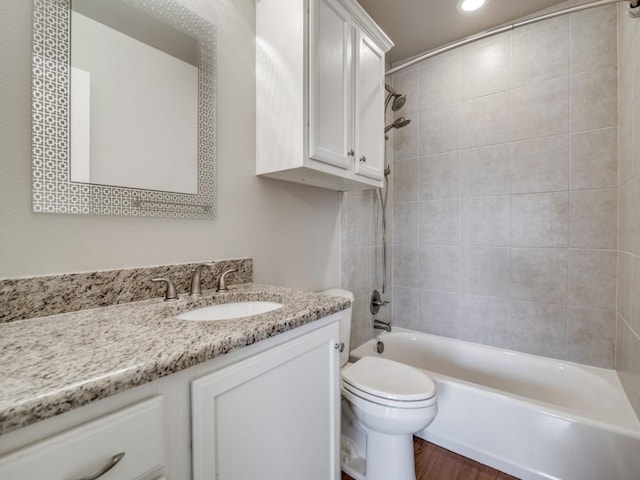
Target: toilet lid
(389, 379)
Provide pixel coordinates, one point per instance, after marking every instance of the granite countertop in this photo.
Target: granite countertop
(54, 364)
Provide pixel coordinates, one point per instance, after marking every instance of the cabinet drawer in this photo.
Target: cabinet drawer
(81, 452)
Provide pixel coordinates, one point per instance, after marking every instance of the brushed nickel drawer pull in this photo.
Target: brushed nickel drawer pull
(114, 461)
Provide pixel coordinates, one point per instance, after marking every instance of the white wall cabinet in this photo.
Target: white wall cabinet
(275, 415)
(330, 78)
(368, 105)
(320, 93)
(270, 409)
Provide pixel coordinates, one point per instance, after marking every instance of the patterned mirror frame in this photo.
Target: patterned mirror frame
(53, 191)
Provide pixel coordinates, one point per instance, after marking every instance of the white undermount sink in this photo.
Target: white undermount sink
(227, 311)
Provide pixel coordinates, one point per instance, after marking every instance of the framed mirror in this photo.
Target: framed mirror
(124, 109)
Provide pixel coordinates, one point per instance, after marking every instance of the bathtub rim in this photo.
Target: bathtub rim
(608, 375)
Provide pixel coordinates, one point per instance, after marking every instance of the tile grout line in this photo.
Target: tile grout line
(569, 223)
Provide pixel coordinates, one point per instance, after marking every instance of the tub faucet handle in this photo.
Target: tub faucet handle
(222, 283)
(380, 303)
(170, 293)
(377, 302)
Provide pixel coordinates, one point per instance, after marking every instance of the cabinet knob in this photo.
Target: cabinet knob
(112, 463)
(351, 153)
(339, 347)
(363, 159)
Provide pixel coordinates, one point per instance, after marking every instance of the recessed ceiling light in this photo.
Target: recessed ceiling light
(470, 5)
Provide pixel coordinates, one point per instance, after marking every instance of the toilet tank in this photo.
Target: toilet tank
(345, 321)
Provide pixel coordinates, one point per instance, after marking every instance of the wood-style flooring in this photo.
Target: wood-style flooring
(436, 463)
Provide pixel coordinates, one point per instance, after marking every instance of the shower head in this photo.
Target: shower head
(398, 123)
(399, 99)
(398, 102)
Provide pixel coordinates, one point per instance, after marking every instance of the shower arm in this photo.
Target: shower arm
(390, 96)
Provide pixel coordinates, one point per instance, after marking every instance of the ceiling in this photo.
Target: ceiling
(417, 26)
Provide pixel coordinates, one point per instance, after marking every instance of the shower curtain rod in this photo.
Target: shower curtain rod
(634, 10)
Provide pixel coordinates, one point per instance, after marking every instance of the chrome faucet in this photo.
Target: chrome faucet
(380, 325)
(222, 283)
(195, 279)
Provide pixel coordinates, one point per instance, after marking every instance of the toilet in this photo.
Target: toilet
(383, 404)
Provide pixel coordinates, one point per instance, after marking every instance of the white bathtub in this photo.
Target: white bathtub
(530, 416)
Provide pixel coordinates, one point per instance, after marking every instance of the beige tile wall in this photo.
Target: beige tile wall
(628, 304)
(361, 264)
(357, 252)
(505, 205)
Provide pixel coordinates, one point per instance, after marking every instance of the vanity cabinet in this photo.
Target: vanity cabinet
(268, 410)
(275, 415)
(320, 93)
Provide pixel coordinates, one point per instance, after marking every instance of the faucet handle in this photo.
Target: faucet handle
(171, 293)
(222, 283)
(377, 302)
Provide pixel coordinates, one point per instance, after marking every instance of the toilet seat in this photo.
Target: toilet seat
(388, 383)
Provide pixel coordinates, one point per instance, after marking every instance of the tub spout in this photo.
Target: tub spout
(380, 325)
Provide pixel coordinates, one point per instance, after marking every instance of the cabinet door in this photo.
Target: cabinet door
(272, 416)
(369, 106)
(330, 65)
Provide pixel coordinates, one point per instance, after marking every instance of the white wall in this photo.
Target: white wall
(291, 231)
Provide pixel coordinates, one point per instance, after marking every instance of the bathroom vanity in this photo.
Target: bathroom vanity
(180, 399)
